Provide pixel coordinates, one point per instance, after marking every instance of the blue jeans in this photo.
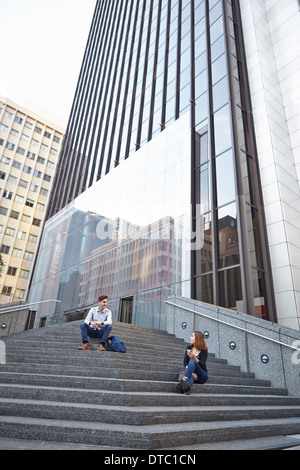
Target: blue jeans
(90, 332)
(193, 367)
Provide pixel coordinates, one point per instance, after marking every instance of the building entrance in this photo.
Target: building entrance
(125, 309)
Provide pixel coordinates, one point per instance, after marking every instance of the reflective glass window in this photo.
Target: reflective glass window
(216, 30)
(222, 130)
(218, 69)
(204, 286)
(253, 237)
(220, 94)
(217, 48)
(201, 149)
(228, 236)
(225, 179)
(200, 45)
(199, 11)
(215, 12)
(230, 289)
(259, 291)
(201, 83)
(201, 108)
(129, 233)
(200, 64)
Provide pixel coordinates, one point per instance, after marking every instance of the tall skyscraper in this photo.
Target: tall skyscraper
(178, 172)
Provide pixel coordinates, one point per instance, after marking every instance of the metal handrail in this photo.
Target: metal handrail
(233, 326)
(26, 306)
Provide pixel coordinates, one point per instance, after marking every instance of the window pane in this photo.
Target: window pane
(216, 30)
(253, 237)
(201, 151)
(201, 108)
(230, 289)
(203, 257)
(220, 94)
(222, 130)
(218, 69)
(204, 288)
(259, 290)
(228, 236)
(225, 180)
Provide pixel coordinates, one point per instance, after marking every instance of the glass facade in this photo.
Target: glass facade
(149, 67)
(126, 235)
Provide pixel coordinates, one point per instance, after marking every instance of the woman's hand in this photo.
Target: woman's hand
(191, 355)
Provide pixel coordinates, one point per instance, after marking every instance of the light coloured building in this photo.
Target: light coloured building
(29, 151)
(271, 35)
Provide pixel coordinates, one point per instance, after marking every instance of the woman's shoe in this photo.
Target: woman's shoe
(186, 388)
(178, 388)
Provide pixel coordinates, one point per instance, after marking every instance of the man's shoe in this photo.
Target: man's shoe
(84, 347)
(101, 348)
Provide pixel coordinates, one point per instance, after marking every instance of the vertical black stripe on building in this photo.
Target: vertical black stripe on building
(110, 78)
(136, 74)
(76, 119)
(193, 149)
(177, 101)
(212, 153)
(86, 91)
(141, 105)
(165, 95)
(154, 76)
(94, 88)
(245, 270)
(124, 103)
(58, 191)
(117, 100)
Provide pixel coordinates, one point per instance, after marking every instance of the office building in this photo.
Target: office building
(29, 151)
(178, 173)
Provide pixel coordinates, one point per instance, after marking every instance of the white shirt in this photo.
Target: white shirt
(95, 315)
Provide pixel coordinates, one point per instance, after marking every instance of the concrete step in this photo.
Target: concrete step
(143, 437)
(116, 360)
(261, 443)
(108, 383)
(151, 355)
(50, 392)
(129, 370)
(140, 416)
(72, 332)
(167, 398)
(132, 348)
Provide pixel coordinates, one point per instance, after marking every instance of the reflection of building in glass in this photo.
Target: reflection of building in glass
(171, 109)
(139, 263)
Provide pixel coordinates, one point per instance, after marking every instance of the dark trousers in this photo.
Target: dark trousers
(90, 332)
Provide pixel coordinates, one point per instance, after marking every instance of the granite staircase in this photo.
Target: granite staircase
(53, 396)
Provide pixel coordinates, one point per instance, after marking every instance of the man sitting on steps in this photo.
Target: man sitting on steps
(98, 324)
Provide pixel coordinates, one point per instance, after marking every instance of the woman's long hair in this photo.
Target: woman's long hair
(200, 343)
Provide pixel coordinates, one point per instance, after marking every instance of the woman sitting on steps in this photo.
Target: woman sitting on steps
(195, 363)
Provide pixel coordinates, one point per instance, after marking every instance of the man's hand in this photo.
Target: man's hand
(95, 324)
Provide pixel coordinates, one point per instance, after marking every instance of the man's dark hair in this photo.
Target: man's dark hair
(102, 297)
